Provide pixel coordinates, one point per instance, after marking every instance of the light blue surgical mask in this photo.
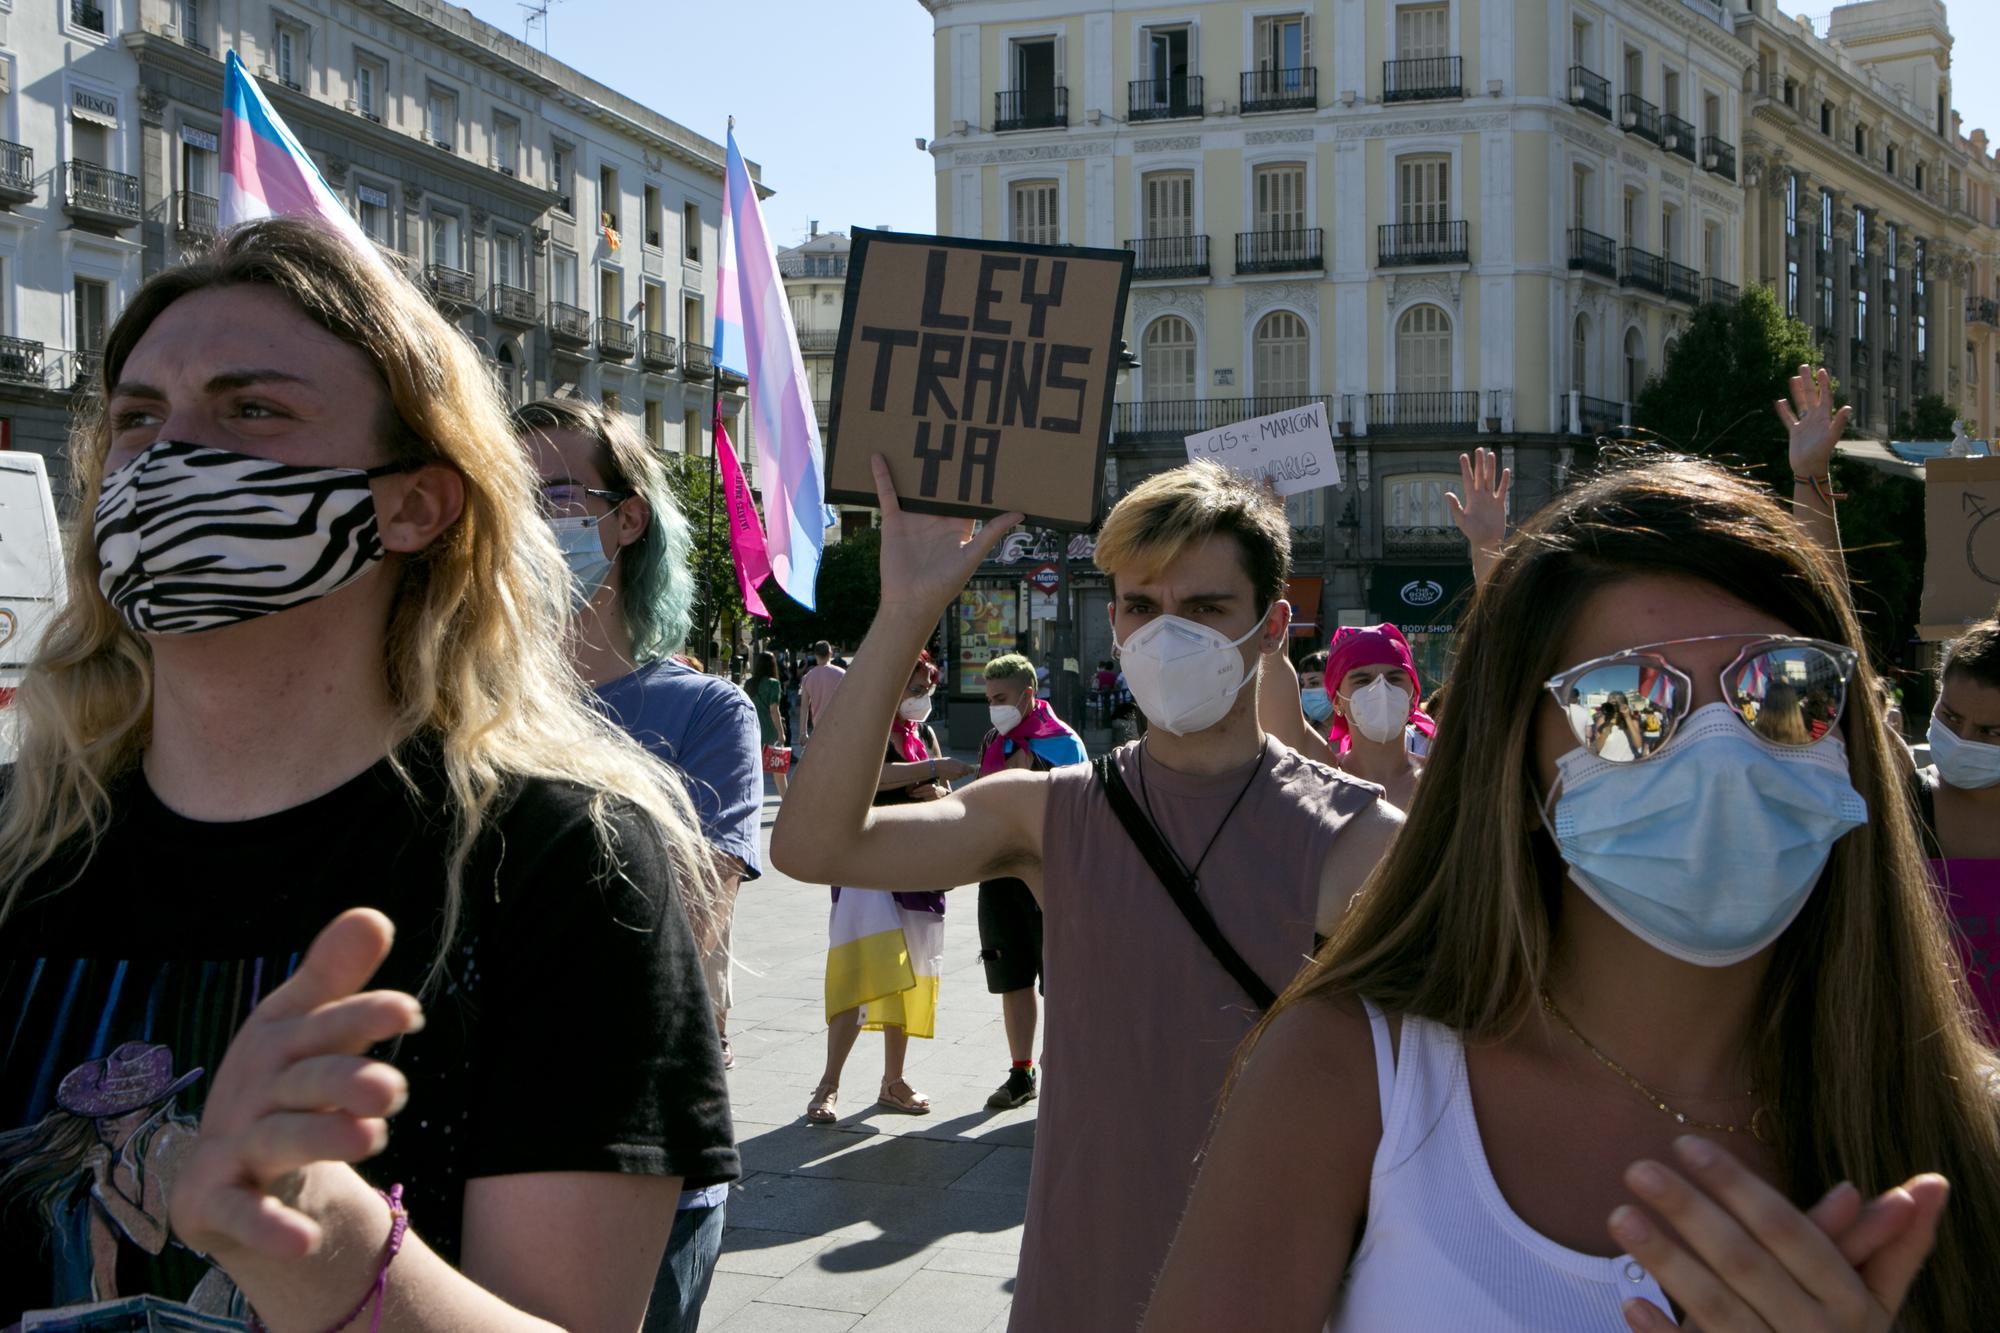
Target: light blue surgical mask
(1318, 705)
(1707, 850)
(1966, 765)
(583, 552)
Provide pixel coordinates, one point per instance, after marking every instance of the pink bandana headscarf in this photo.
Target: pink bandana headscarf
(1371, 645)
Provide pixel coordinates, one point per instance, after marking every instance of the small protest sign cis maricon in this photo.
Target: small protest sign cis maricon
(1961, 544)
(1292, 449)
(983, 371)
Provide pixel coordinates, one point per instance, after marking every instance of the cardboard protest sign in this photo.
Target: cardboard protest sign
(1961, 544)
(983, 371)
(1292, 449)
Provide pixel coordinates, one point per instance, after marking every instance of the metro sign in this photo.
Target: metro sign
(1045, 577)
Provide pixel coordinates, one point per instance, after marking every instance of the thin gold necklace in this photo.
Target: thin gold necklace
(1755, 1128)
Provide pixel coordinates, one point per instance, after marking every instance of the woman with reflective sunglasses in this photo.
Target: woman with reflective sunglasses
(1604, 1040)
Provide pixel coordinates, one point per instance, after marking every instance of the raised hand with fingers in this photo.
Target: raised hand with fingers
(1747, 1261)
(1811, 421)
(926, 559)
(1482, 513)
(296, 1090)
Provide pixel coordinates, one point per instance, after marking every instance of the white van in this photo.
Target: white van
(31, 572)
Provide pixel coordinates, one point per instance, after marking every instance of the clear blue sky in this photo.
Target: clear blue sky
(829, 96)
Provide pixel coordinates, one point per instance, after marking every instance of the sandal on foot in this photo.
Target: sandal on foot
(820, 1110)
(900, 1097)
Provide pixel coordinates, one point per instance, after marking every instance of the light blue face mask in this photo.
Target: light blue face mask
(583, 552)
(1318, 705)
(1708, 850)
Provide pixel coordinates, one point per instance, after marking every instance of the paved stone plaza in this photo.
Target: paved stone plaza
(882, 1223)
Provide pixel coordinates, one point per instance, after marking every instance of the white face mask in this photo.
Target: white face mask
(1184, 676)
(1966, 765)
(1378, 710)
(915, 708)
(1005, 717)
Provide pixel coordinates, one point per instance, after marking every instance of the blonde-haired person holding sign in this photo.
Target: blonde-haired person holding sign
(309, 682)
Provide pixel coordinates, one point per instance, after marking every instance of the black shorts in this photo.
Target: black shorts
(1010, 935)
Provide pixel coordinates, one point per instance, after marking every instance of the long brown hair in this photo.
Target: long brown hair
(1865, 1036)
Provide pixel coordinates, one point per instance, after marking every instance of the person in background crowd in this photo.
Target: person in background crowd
(1026, 734)
(629, 551)
(1142, 1010)
(1656, 970)
(817, 688)
(1373, 696)
(767, 695)
(1313, 696)
(309, 680)
(1042, 681)
(885, 951)
(1107, 677)
(1959, 798)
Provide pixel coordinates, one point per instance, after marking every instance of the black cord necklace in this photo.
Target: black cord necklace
(1146, 795)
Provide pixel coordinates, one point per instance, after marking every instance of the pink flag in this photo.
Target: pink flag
(746, 532)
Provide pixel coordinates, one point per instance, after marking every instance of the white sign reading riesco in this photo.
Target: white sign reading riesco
(1292, 449)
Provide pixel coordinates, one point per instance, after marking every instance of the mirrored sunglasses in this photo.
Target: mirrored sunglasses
(1626, 706)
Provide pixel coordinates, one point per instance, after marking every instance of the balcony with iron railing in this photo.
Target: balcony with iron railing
(1308, 539)
(569, 325)
(21, 362)
(1590, 91)
(1683, 283)
(1280, 251)
(1400, 244)
(1169, 256)
(1642, 269)
(196, 214)
(1718, 156)
(512, 305)
(822, 410)
(658, 351)
(1173, 419)
(1720, 291)
(616, 340)
(1031, 108)
(1598, 416)
(697, 361)
(1449, 412)
(86, 369)
(1439, 539)
(1857, 353)
(1280, 90)
(17, 173)
(1431, 79)
(450, 286)
(86, 15)
(818, 340)
(1638, 116)
(98, 196)
(1677, 136)
(1592, 253)
(1982, 310)
(1177, 97)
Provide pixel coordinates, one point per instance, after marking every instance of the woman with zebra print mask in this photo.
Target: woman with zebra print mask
(310, 681)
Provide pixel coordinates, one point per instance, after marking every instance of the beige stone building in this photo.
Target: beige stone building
(1869, 214)
(1456, 221)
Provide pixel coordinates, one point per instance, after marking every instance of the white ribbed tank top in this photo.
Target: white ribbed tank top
(1442, 1249)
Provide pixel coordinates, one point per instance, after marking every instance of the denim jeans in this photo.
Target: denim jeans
(685, 1270)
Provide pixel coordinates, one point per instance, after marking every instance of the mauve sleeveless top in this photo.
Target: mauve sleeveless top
(1142, 1021)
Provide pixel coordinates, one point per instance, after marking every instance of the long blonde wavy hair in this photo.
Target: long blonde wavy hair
(475, 648)
(1864, 1034)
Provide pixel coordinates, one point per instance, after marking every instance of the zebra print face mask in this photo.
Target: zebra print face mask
(191, 538)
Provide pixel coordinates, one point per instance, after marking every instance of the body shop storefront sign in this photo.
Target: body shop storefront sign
(1421, 599)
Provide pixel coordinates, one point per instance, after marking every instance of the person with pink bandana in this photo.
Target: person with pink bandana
(1372, 679)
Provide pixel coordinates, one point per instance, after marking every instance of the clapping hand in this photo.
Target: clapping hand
(295, 1090)
(1811, 421)
(1747, 1261)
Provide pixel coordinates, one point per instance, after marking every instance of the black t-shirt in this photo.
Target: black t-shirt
(572, 1031)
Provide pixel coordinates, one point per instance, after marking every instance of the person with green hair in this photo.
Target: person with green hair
(607, 494)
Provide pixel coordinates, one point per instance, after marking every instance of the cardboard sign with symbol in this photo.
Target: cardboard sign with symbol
(982, 371)
(1293, 449)
(1961, 545)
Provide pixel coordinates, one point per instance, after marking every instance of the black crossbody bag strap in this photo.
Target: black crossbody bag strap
(1178, 885)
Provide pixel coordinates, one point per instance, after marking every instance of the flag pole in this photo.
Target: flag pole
(714, 465)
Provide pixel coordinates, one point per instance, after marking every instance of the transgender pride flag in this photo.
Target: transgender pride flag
(265, 173)
(754, 338)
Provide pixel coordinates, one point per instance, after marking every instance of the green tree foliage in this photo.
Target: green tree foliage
(718, 601)
(1931, 417)
(1715, 399)
(848, 593)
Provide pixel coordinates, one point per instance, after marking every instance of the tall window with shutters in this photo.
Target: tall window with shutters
(1283, 42)
(1423, 186)
(1423, 32)
(1423, 351)
(1036, 211)
(1579, 355)
(1169, 200)
(1168, 357)
(1281, 356)
(1280, 197)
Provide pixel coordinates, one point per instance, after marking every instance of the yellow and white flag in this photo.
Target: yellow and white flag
(884, 959)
